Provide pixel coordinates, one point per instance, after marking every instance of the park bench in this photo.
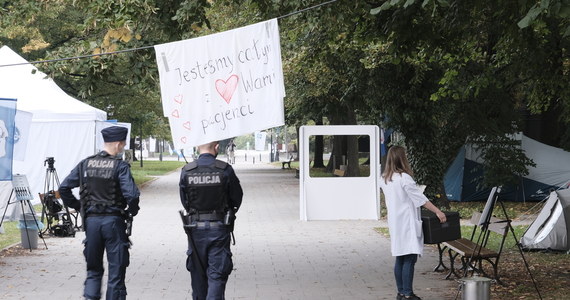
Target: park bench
(474, 251)
(338, 173)
(287, 162)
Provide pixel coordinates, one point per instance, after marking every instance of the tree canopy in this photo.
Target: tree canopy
(441, 72)
(125, 85)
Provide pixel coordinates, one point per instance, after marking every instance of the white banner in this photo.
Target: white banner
(7, 132)
(222, 85)
(23, 123)
(260, 138)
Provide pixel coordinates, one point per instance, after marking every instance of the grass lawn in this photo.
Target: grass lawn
(321, 172)
(11, 234)
(153, 168)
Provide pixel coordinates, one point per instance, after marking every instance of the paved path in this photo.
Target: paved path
(276, 255)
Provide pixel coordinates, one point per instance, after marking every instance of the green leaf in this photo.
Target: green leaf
(444, 3)
(409, 2)
(387, 5)
(530, 16)
(524, 22)
(564, 12)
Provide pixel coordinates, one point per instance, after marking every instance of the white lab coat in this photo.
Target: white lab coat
(403, 201)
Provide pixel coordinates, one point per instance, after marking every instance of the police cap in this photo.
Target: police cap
(114, 134)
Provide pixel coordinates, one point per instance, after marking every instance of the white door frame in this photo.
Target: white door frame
(339, 198)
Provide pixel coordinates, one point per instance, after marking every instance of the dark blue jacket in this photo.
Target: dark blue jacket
(123, 175)
(235, 193)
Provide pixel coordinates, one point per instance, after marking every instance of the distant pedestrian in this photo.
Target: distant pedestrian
(230, 151)
(403, 201)
(211, 194)
(109, 199)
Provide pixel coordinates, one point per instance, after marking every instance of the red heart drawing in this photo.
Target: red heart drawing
(187, 125)
(178, 99)
(227, 88)
(175, 113)
(183, 139)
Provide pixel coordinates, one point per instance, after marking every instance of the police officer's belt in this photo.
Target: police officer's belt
(104, 214)
(202, 225)
(208, 217)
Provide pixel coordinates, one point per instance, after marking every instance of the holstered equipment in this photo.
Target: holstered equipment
(83, 194)
(207, 194)
(188, 225)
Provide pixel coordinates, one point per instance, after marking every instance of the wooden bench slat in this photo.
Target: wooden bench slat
(468, 249)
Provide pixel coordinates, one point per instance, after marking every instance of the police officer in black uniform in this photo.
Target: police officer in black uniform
(211, 193)
(109, 199)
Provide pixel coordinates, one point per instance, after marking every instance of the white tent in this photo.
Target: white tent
(550, 229)
(62, 127)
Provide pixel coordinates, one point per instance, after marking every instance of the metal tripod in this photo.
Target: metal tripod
(51, 206)
(21, 189)
(519, 246)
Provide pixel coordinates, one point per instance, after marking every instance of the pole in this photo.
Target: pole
(271, 151)
(160, 148)
(141, 145)
(286, 143)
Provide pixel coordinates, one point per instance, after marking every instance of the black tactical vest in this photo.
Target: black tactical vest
(101, 183)
(206, 187)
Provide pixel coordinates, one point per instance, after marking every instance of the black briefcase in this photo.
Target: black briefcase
(436, 232)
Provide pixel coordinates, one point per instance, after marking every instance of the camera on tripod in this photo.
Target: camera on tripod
(50, 161)
(53, 206)
(58, 217)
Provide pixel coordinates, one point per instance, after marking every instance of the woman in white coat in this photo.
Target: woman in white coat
(403, 201)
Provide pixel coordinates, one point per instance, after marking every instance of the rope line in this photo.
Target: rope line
(147, 47)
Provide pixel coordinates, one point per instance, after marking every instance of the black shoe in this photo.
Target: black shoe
(399, 297)
(412, 297)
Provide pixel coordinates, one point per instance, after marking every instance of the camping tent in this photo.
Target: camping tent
(61, 126)
(551, 227)
(463, 177)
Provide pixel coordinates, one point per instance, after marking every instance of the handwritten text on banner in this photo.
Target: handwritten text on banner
(222, 85)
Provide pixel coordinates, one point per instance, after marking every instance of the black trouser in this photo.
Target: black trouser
(106, 233)
(213, 247)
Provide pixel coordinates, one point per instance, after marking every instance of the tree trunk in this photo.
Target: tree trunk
(132, 146)
(353, 167)
(442, 201)
(338, 153)
(345, 148)
(319, 148)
